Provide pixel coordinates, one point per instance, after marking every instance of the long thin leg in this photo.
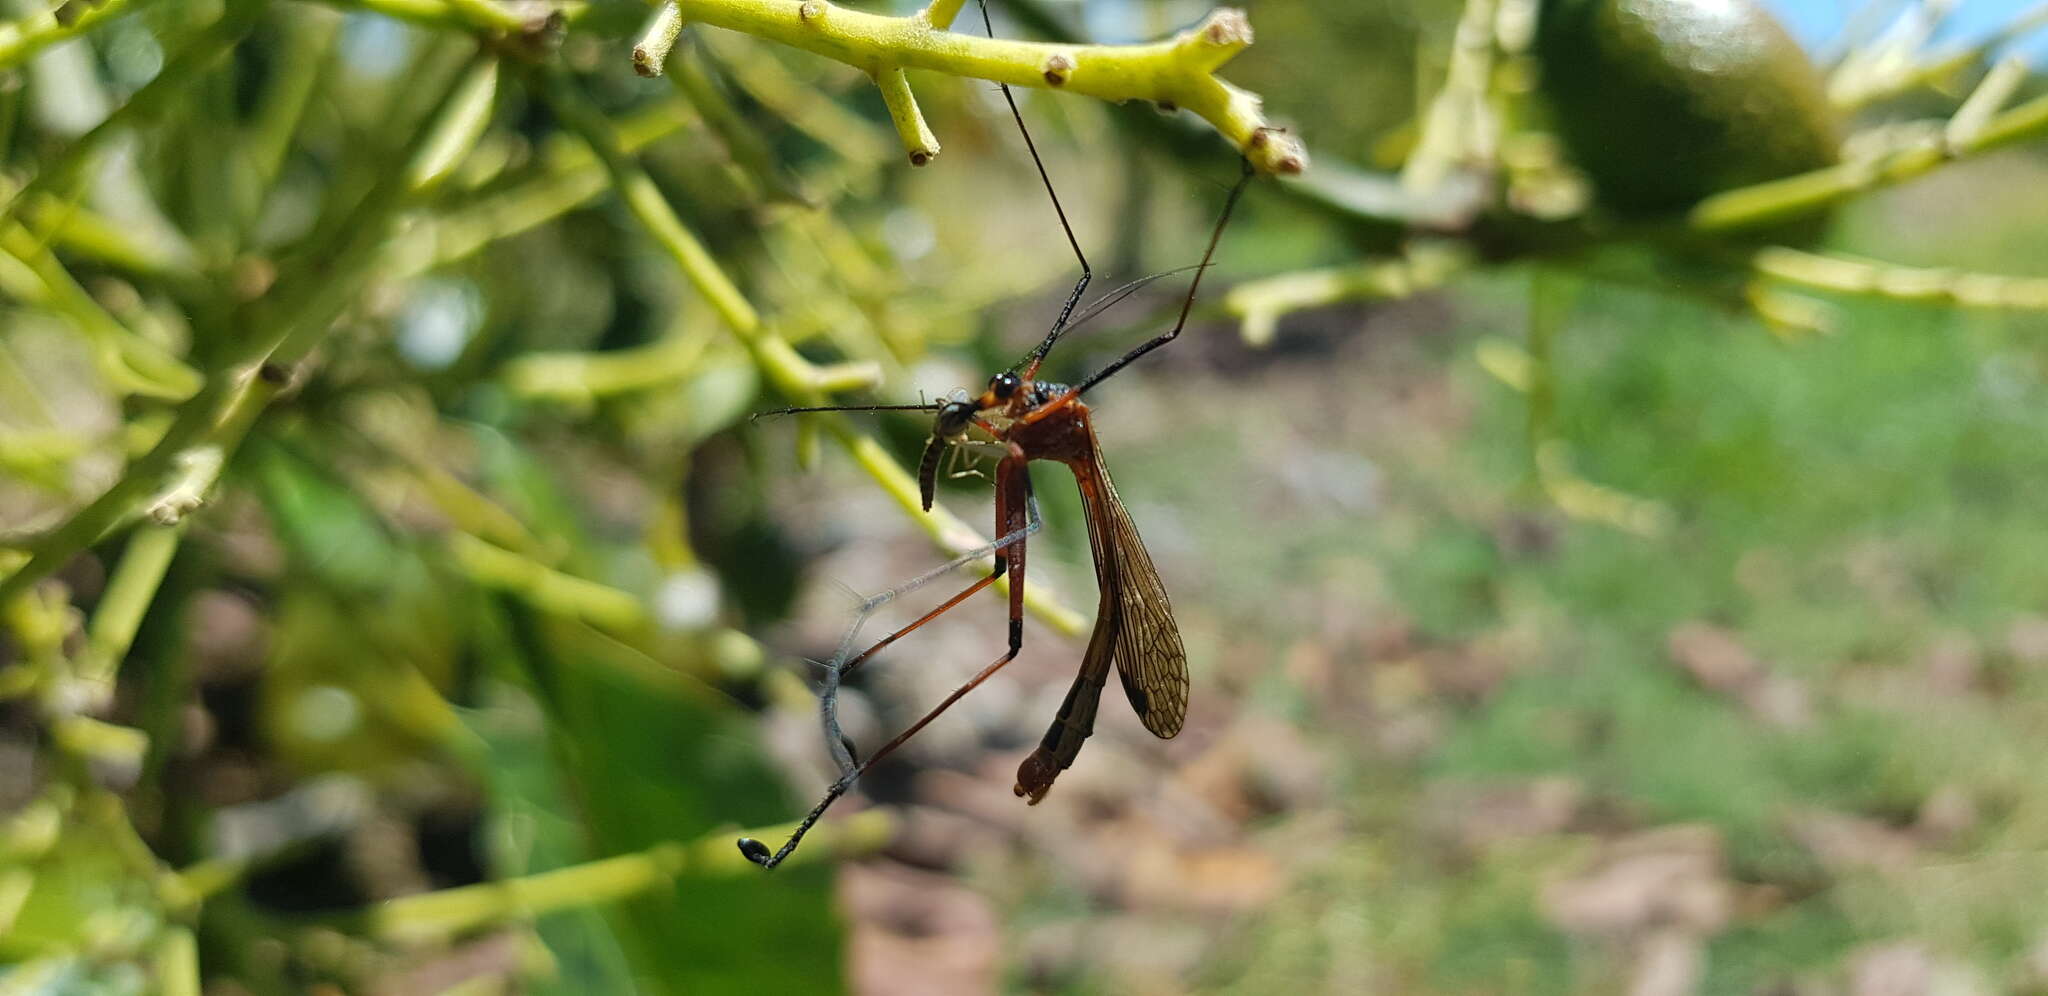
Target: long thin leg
(1030, 364)
(1187, 304)
(844, 660)
(1013, 501)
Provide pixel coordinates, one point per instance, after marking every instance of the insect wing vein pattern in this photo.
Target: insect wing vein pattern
(1150, 658)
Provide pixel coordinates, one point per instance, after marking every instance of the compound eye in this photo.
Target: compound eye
(1004, 385)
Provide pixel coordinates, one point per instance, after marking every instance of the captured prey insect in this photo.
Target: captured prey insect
(1031, 420)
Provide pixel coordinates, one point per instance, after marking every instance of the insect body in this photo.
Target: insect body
(1134, 625)
(1134, 628)
(1038, 420)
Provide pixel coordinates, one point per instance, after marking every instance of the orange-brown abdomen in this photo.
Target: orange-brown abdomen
(1035, 776)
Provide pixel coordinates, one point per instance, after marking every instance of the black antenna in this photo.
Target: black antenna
(920, 407)
(1081, 285)
(1187, 304)
(1111, 298)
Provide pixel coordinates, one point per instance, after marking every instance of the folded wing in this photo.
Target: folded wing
(1150, 658)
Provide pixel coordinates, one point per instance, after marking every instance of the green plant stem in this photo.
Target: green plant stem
(40, 625)
(1901, 283)
(583, 377)
(310, 33)
(127, 597)
(29, 832)
(88, 739)
(692, 78)
(792, 375)
(25, 37)
(1991, 93)
(804, 106)
(247, 379)
(1260, 304)
(1794, 196)
(78, 229)
(911, 127)
(492, 566)
(489, 15)
(472, 16)
(1853, 90)
(398, 432)
(1550, 301)
(1458, 127)
(134, 365)
(1179, 72)
(436, 916)
(195, 884)
(940, 13)
(171, 85)
(785, 368)
(177, 963)
(651, 209)
(570, 177)
(650, 54)
(1973, 131)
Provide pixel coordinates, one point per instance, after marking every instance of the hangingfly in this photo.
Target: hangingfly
(1036, 420)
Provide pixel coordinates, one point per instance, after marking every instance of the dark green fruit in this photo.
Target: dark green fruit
(1663, 102)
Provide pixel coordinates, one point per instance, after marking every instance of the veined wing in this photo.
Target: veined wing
(1150, 658)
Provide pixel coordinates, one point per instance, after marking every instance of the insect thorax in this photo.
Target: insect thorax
(1044, 391)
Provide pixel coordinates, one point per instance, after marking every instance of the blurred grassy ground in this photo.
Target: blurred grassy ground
(1447, 740)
